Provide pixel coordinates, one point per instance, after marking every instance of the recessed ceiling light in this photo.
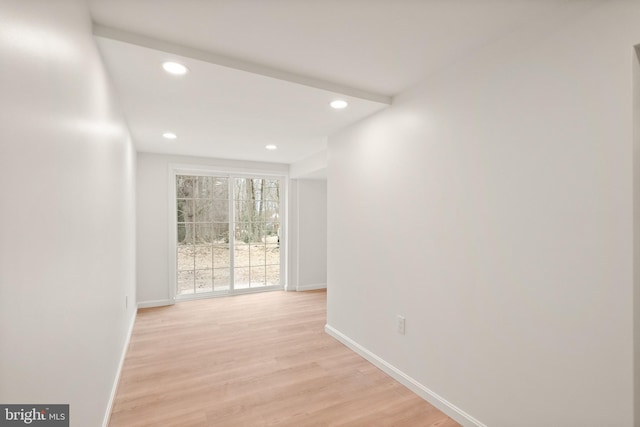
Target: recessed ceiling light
(169, 135)
(174, 68)
(271, 147)
(339, 104)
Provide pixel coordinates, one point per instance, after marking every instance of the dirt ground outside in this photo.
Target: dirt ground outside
(206, 268)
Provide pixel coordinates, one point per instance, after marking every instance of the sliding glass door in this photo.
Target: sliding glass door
(256, 206)
(227, 233)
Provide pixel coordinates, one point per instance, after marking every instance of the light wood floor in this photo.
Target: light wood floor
(255, 360)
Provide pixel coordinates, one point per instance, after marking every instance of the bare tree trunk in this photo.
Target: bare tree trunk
(261, 209)
(189, 209)
(250, 209)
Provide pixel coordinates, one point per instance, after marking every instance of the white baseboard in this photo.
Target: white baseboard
(114, 389)
(311, 287)
(155, 303)
(442, 404)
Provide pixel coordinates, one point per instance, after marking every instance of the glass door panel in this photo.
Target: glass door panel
(228, 234)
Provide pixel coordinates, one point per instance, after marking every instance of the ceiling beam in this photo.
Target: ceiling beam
(238, 64)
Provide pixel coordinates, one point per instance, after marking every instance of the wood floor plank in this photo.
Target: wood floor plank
(255, 360)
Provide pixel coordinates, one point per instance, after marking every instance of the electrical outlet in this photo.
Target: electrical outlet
(400, 324)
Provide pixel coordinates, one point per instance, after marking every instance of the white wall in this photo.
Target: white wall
(153, 217)
(309, 230)
(315, 164)
(67, 213)
(492, 206)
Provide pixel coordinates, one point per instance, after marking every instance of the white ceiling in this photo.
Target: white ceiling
(248, 58)
(222, 112)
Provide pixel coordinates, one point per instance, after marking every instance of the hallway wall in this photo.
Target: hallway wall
(491, 206)
(67, 217)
